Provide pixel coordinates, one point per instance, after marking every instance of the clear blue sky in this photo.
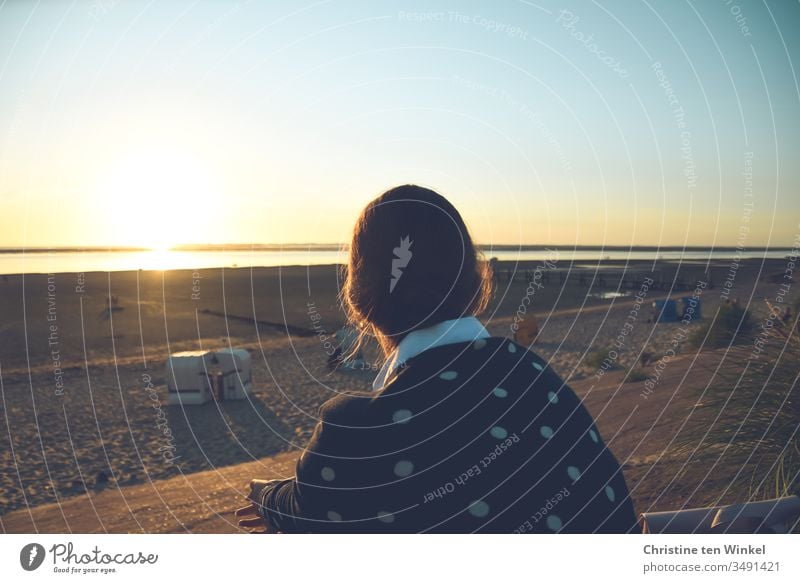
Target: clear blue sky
(545, 122)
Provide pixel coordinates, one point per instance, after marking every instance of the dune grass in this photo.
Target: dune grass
(635, 375)
(757, 396)
(731, 325)
(595, 358)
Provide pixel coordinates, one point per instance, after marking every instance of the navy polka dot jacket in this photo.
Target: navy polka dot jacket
(472, 437)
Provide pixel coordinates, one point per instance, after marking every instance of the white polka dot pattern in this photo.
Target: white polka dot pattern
(504, 400)
(499, 432)
(403, 468)
(401, 416)
(479, 509)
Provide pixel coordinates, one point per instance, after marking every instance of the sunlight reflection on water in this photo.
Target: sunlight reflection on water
(162, 260)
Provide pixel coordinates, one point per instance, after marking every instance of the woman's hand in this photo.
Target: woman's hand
(252, 520)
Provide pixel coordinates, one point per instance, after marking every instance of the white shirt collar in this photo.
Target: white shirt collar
(448, 332)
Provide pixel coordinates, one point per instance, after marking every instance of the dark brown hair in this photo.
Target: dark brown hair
(412, 264)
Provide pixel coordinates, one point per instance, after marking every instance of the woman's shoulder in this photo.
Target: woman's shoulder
(483, 353)
(493, 362)
(345, 406)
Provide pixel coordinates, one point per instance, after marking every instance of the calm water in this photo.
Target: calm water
(86, 261)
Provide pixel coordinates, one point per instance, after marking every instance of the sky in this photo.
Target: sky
(558, 123)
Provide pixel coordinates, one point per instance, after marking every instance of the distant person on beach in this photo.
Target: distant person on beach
(347, 354)
(463, 432)
(527, 331)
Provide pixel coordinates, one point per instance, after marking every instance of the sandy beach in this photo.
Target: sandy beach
(77, 350)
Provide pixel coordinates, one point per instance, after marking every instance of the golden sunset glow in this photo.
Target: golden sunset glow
(157, 198)
(130, 131)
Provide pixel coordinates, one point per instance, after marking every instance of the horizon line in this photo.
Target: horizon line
(343, 247)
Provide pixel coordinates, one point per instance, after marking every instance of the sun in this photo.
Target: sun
(158, 197)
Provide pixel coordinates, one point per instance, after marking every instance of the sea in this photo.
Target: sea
(17, 261)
